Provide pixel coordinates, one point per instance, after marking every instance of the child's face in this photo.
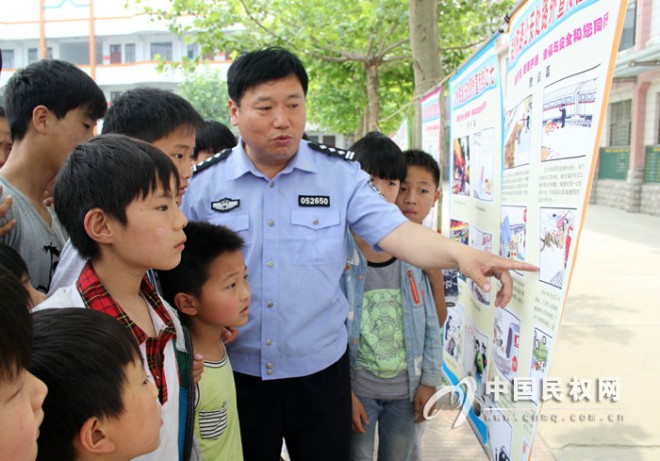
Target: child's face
(418, 194)
(69, 131)
(225, 296)
(388, 187)
(153, 236)
(179, 145)
(20, 416)
(137, 430)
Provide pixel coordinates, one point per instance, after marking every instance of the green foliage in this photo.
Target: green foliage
(207, 92)
(336, 40)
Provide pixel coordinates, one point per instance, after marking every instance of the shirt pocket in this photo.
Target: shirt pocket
(212, 424)
(318, 237)
(238, 222)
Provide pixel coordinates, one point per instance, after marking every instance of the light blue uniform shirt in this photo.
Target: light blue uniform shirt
(295, 229)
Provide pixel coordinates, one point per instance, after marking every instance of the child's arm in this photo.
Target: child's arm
(359, 415)
(437, 281)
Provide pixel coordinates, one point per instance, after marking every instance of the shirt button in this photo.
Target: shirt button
(271, 185)
(271, 223)
(269, 365)
(269, 372)
(269, 304)
(270, 264)
(269, 342)
(316, 221)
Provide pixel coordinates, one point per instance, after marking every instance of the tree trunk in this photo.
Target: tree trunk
(373, 103)
(425, 44)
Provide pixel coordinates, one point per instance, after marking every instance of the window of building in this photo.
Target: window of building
(192, 50)
(115, 54)
(129, 51)
(33, 55)
(628, 33)
(620, 123)
(161, 49)
(329, 140)
(8, 59)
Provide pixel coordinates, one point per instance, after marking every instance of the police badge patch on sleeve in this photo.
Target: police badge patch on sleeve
(225, 204)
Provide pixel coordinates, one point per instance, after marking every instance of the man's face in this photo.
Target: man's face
(271, 121)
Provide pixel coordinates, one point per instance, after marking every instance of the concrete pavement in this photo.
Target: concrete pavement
(610, 328)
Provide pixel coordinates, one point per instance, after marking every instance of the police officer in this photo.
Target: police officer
(292, 202)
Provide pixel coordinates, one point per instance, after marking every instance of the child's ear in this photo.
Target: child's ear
(437, 195)
(97, 226)
(92, 439)
(186, 303)
(40, 119)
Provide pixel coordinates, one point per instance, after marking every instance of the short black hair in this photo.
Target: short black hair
(15, 327)
(204, 243)
(260, 66)
(214, 137)
(150, 114)
(380, 156)
(10, 259)
(58, 85)
(81, 355)
(107, 172)
(416, 157)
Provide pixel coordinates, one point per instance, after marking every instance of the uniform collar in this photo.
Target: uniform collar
(241, 164)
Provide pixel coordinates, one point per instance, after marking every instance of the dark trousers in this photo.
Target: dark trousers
(312, 413)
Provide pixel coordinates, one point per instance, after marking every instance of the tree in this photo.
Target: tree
(207, 92)
(357, 52)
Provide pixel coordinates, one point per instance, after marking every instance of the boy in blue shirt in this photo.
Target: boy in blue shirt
(394, 336)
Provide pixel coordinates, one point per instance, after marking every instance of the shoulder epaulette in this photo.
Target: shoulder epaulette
(333, 151)
(201, 166)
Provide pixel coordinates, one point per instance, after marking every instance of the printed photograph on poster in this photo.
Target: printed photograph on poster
(569, 106)
(453, 334)
(475, 357)
(481, 241)
(500, 434)
(506, 343)
(483, 150)
(461, 167)
(513, 231)
(517, 134)
(450, 277)
(459, 231)
(557, 229)
(540, 347)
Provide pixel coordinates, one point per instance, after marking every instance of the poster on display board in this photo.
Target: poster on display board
(400, 136)
(520, 179)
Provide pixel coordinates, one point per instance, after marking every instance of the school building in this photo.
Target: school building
(113, 41)
(628, 173)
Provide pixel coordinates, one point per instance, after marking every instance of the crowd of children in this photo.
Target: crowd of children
(125, 358)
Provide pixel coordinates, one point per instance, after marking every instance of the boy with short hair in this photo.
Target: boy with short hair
(51, 106)
(117, 198)
(159, 117)
(393, 332)
(21, 393)
(419, 193)
(209, 288)
(212, 139)
(101, 404)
